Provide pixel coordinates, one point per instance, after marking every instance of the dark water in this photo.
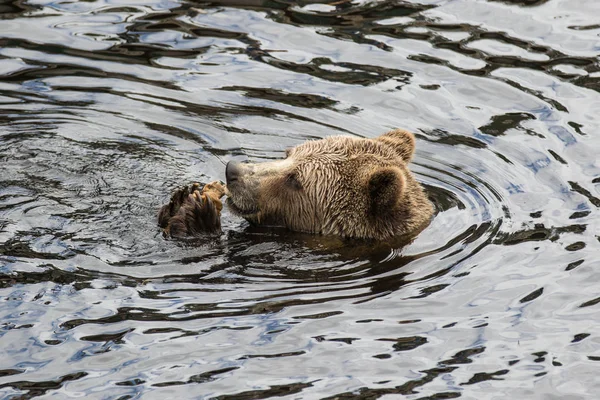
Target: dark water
(105, 106)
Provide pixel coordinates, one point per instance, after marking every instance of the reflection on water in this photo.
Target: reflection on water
(105, 106)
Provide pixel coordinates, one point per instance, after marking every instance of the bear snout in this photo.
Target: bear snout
(242, 188)
(233, 172)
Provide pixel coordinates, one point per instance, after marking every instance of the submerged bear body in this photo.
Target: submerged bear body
(351, 187)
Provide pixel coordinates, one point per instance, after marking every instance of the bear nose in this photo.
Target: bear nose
(232, 171)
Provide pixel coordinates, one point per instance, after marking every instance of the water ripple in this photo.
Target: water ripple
(105, 108)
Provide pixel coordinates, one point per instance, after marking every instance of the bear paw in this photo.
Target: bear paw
(193, 211)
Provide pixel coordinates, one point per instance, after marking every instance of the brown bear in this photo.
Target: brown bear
(351, 187)
(345, 186)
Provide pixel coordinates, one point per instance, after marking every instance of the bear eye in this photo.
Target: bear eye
(288, 151)
(293, 182)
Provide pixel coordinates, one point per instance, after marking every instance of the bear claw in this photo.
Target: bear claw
(193, 210)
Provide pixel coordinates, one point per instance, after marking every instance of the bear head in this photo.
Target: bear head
(340, 185)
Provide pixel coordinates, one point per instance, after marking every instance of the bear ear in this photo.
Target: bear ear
(386, 186)
(402, 141)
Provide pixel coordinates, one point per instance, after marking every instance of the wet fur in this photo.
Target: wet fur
(351, 187)
(190, 213)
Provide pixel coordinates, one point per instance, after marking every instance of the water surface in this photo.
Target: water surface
(106, 106)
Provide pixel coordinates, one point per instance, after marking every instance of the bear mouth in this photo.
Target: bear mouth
(245, 212)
